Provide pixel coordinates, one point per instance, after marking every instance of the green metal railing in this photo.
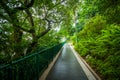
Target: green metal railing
(30, 67)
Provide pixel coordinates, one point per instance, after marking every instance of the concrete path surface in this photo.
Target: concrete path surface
(67, 67)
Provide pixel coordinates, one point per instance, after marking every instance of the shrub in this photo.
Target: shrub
(99, 43)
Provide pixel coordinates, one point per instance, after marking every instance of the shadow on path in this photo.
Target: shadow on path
(67, 67)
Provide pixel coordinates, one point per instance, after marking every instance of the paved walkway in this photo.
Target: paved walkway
(67, 67)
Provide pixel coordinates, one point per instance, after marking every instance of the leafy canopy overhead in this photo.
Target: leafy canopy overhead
(24, 22)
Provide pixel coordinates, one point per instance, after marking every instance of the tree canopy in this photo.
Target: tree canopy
(93, 26)
(25, 22)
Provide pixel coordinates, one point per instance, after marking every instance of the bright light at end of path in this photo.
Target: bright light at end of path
(63, 39)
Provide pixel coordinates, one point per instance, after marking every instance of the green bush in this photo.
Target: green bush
(99, 44)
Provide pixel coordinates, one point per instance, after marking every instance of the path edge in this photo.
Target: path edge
(89, 68)
(46, 72)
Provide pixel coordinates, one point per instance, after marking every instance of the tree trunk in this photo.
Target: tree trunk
(17, 42)
(32, 46)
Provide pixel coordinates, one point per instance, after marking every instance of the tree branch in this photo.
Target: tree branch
(5, 7)
(17, 26)
(47, 30)
(24, 20)
(30, 16)
(57, 4)
(56, 21)
(4, 17)
(26, 6)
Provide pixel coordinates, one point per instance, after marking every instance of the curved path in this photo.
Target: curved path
(67, 67)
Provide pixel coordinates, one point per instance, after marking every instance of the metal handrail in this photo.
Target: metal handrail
(29, 67)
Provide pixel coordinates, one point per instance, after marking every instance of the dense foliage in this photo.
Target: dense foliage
(24, 25)
(99, 40)
(92, 25)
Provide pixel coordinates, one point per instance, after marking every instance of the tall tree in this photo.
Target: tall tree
(29, 20)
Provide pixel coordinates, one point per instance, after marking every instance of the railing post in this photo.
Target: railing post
(36, 62)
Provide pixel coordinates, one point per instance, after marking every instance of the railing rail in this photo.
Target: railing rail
(29, 67)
